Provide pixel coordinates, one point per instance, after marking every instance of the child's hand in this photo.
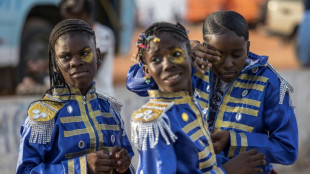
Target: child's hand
(245, 163)
(100, 162)
(122, 159)
(202, 56)
(220, 140)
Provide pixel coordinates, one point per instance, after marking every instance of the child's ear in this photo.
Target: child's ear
(99, 56)
(146, 71)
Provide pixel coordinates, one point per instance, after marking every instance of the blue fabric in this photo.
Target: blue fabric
(250, 110)
(81, 126)
(256, 119)
(191, 152)
(136, 82)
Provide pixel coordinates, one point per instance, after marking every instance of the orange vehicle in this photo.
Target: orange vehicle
(251, 10)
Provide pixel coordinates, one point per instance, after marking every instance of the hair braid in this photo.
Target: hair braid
(177, 30)
(221, 21)
(63, 27)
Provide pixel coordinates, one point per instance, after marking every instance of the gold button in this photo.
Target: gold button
(185, 116)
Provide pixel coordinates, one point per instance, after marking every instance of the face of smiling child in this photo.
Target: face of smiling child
(234, 50)
(168, 62)
(76, 57)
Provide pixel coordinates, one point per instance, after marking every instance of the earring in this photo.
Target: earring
(147, 80)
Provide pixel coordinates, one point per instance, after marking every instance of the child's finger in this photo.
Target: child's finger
(102, 154)
(195, 64)
(252, 152)
(256, 170)
(260, 162)
(123, 152)
(258, 156)
(203, 63)
(114, 150)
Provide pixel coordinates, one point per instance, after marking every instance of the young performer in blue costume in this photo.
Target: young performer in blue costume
(74, 129)
(246, 99)
(170, 130)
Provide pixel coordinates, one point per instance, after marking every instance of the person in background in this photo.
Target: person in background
(303, 37)
(246, 100)
(169, 130)
(73, 128)
(105, 40)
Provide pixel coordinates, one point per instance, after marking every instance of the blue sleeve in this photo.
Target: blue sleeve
(157, 160)
(31, 158)
(280, 143)
(135, 81)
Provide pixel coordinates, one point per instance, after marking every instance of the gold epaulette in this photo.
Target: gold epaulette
(44, 110)
(151, 111)
(149, 122)
(41, 119)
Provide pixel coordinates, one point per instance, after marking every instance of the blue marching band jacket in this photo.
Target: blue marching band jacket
(256, 109)
(172, 137)
(61, 129)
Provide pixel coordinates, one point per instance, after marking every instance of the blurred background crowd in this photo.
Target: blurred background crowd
(279, 29)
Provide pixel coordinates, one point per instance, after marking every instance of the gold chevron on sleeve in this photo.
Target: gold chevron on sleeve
(83, 169)
(244, 142)
(71, 166)
(233, 143)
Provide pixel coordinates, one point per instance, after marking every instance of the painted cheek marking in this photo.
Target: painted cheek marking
(177, 59)
(89, 57)
(219, 61)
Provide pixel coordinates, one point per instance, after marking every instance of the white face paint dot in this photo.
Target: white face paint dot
(238, 116)
(69, 109)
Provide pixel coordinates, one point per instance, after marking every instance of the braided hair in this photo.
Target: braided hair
(221, 21)
(67, 26)
(151, 33)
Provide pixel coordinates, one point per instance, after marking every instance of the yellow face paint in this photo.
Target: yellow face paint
(177, 56)
(88, 57)
(219, 61)
(156, 39)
